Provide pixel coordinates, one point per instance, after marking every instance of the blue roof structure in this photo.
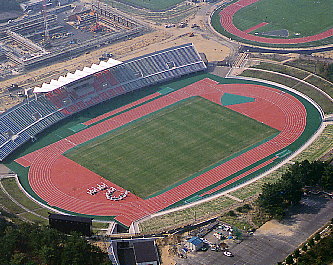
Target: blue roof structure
(195, 241)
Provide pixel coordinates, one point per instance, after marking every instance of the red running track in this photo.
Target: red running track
(227, 23)
(239, 177)
(63, 183)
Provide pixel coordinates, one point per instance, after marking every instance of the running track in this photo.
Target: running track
(63, 183)
(226, 21)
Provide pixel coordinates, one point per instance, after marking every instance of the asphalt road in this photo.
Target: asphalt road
(266, 249)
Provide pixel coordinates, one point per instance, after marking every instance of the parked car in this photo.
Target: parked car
(215, 248)
(228, 253)
(204, 248)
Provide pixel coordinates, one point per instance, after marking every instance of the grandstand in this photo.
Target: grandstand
(72, 93)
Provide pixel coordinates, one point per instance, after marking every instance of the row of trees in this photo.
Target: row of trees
(32, 244)
(320, 253)
(316, 251)
(277, 197)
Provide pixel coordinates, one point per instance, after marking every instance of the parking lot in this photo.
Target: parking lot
(273, 241)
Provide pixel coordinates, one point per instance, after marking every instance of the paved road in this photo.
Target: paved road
(265, 249)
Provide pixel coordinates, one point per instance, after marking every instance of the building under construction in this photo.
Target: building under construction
(58, 32)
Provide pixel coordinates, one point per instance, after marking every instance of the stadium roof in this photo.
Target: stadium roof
(69, 78)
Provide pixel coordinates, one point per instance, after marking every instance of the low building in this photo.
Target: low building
(195, 243)
(136, 251)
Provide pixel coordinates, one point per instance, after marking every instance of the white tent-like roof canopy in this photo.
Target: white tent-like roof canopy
(69, 78)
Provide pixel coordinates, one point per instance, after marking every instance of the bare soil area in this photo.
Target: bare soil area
(273, 227)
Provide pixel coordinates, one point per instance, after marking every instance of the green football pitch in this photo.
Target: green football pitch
(297, 16)
(170, 145)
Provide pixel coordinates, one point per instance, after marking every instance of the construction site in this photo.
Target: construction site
(62, 38)
(51, 32)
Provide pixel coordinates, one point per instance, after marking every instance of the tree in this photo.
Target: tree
(77, 251)
(305, 248)
(327, 178)
(290, 260)
(296, 253)
(317, 237)
(32, 244)
(311, 242)
(231, 213)
(319, 254)
(272, 199)
(277, 197)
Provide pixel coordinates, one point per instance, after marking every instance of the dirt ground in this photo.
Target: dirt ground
(213, 50)
(273, 227)
(166, 258)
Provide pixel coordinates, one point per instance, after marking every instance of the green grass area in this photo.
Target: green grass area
(11, 187)
(300, 74)
(311, 92)
(240, 221)
(44, 212)
(270, 56)
(301, 69)
(170, 145)
(99, 225)
(171, 14)
(319, 147)
(322, 84)
(270, 77)
(34, 218)
(254, 188)
(215, 22)
(8, 204)
(318, 97)
(153, 4)
(297, 16)
(321, 68)
(187, 216)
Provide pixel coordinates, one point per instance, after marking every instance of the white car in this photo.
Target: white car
(205, 240)
(227, 253)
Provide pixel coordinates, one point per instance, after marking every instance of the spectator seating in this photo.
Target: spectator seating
(75, 92)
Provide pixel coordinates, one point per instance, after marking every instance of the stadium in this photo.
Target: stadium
(123, 140)
(276, 24)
